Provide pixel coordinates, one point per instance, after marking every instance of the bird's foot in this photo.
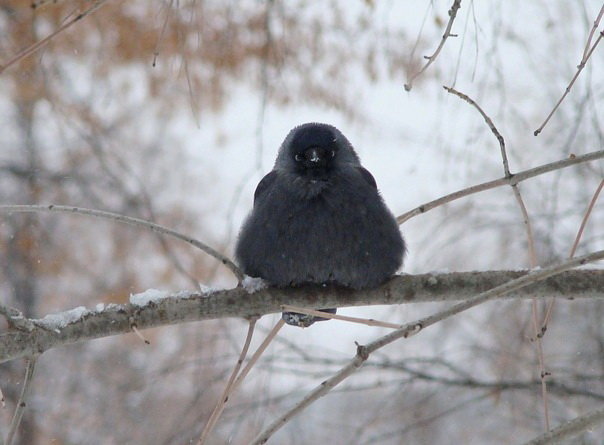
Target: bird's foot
(304, 320)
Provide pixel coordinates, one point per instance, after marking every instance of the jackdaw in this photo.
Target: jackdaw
(318, 218)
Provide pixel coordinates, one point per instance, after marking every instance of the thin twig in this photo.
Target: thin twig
(127, 220)
(452, 14)
(592, 32)
(584, 59)
(365, 321)
(573, 249)
(570, 429)
(20, 408)
(491, 125)
(415, 327)
(529, 228)
(41, 43)
(219, 408)
(254, 358)
(543, 374)
(538, 333)
(515, 179)
(590, 207)
(160, 38)
(530, 240)
(139, 334)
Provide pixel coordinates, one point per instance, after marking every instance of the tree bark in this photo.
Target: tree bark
(238, 302)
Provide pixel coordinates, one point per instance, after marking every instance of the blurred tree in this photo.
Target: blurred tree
(91, 119)
(67, 141)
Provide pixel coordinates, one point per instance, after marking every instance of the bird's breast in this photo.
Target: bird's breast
(310, 188)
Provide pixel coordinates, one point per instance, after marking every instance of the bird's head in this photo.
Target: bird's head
(315, 149)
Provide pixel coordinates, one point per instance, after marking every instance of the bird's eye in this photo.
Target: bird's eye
(298, 157)
(333, 153)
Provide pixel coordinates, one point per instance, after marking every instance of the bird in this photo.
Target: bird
(319, 219)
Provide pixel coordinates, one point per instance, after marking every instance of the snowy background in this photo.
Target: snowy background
(89, 121)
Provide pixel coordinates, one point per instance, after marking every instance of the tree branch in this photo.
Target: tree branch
(41, 43)
(237, 302)
(587, 52)
(514, 179)
(452, 14)
(20, 408)
(126, 220)
(530, 240)
(413, 328)
(227, 389)
(570, 429)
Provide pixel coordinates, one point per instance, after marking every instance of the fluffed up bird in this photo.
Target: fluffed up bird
(318, 218)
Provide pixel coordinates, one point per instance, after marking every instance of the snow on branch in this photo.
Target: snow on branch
(79, 324)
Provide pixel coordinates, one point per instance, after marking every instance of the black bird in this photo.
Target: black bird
(318, 218)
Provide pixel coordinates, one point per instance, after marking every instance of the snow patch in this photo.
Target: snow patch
(62, 319)
(252, 285)
(149, 295)
(99, 307)
(206, 289)
(184, 294)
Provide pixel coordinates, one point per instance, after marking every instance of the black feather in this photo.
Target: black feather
(318, 218)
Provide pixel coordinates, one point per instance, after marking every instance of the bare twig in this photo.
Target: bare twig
(20, 408)
(160, 38)
(254, 358)
(138, 333)
(590, 207)
(415, 327)
(491, 125)
(318, 392)
(452, 14)
(506, 170)
(587, 52)
(530, 241)
(570, 429)
(527, 224)
(573, 249)
(127, 220)
(543, 374)
(227, 389)
(41, 43)
(592, 32)
(365, 321)
(515, 179)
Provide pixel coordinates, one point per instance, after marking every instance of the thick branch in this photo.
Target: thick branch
(118, 319)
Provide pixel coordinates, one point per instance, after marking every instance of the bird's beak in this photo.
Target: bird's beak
(313, 155)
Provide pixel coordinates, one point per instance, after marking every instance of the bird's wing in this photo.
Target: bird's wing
(265, 184)
(366, 176)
